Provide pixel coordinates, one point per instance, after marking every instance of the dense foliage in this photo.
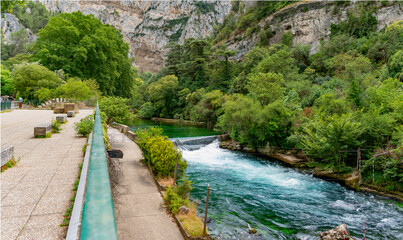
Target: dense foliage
(33, 15)
(160, 153)
(85, 126)
(84, 47)
(116, 109)
(346, 96)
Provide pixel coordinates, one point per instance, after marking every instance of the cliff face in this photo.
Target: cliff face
(310, 22)
(10, 24)
(150, 25)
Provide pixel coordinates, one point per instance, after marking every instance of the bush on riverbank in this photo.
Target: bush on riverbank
(116, 109)
(160, 153)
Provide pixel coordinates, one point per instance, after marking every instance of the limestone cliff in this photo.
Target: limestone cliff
(310, 22)
(10, 24)
(150, 25)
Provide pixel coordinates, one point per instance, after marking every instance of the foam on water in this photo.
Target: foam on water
(280, 202)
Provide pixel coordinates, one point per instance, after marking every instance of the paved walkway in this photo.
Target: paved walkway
(139, 209)
(36, 192)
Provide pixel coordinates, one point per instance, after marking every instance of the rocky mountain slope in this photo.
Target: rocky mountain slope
(150, 25)
(310, 23)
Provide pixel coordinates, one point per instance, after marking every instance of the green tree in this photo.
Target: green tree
(7, 6)
(265, 87)
(279, 60)
(18, 43)
(84, 47)
(33, 15)
(116, 109)
(163, 95)
(209, 108)
(147, 110)
(396, 65)
(30, 77)
(73, 89)
(326, 137)
(7, 86)
(194, 68)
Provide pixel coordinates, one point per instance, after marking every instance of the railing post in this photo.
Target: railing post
(205, 213)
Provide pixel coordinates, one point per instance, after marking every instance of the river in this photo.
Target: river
(280, 202)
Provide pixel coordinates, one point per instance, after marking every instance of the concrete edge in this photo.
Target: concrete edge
(75, 219)
(7, 153)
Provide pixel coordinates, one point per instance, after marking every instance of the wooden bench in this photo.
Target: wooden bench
(42, 129)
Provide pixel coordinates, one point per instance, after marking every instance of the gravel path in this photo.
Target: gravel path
(139, 210)
(36, 192)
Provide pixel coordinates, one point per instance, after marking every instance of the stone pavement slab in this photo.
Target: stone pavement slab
(36, 192)
(139, 210)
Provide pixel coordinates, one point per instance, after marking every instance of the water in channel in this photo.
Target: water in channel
(281, 203)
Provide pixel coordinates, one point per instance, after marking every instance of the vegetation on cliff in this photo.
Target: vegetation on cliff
(346, 96)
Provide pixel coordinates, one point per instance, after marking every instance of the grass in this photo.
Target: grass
(69, 210)
(48, 135)
(165, 182)
(85, 148)
(190, 221)
(9, 164)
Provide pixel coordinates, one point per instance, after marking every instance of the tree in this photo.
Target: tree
(147, 110)
(19, 43)
(7, 86)
(84, 47)
(209, 108)
(279, 60)
(116, 109)
(35, 18)
(163, 95)
(265, 87)
(73, 89)
(30, 77)
(194, 69)
(7, 6)
(221, 66)
(325, 137)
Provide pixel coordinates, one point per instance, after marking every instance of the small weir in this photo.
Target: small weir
(280, 202)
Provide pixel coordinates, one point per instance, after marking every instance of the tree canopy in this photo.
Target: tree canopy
(84, 47)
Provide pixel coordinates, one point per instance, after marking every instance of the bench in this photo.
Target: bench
(42, 129)
(61, 118)
(58, 110)
(70, 113)
(70, 107)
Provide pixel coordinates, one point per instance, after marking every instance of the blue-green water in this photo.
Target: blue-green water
(281, 203)
(173, 129)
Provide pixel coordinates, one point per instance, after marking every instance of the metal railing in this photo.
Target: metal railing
(98, 220)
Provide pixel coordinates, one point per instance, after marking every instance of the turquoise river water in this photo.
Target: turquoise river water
(280, 202)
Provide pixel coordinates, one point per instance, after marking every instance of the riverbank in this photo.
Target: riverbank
(178, 121)
(298, 160)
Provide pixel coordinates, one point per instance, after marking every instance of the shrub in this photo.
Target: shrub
(173, 200)
(117, 109)
(85, 126)
(56, 126)
(160, 153)
(163, 155)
